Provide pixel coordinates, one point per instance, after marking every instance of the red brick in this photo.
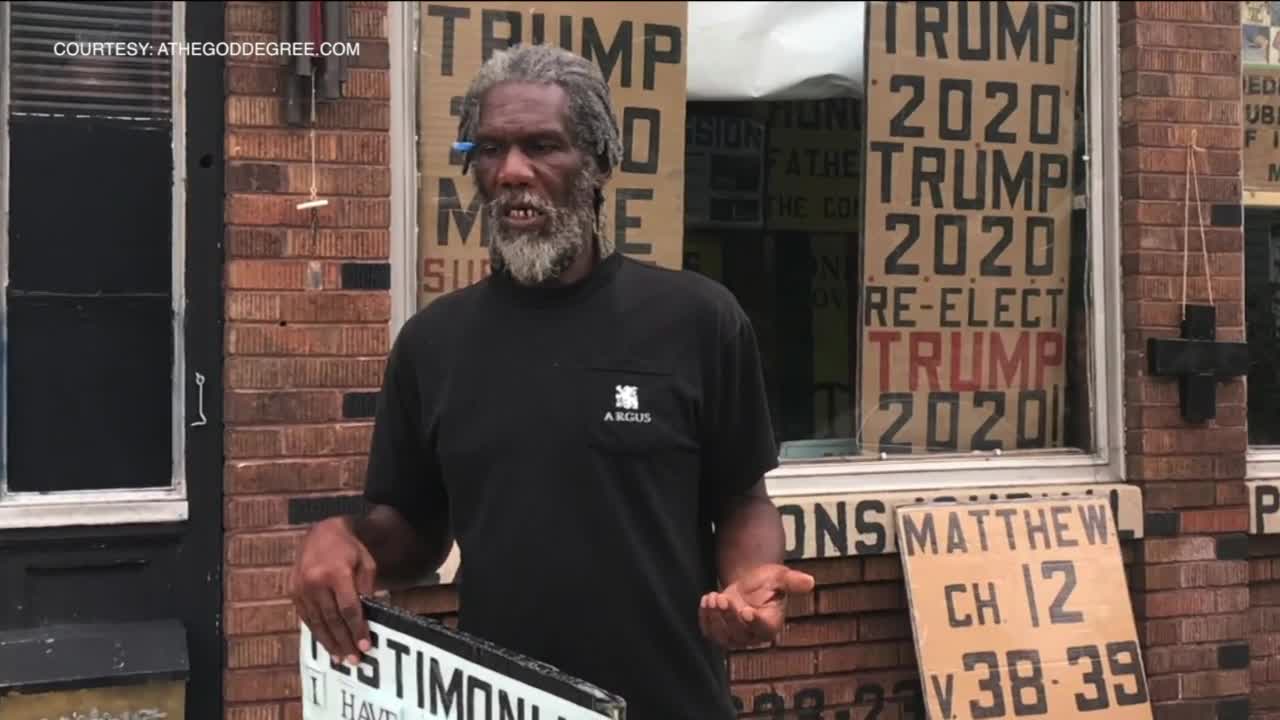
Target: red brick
(330, 440)
(256, 513)
(882, 567)
(831, 572)
(1221, 13)
(1174, 239)
(1264, 619)
(1215, 628)
(258, 619)
(262, 651)
(1180, 549)
(373, 54)
(1173, 85)
(252, 712)
(362, 148)
(263, 549)
(252, 59)
(253, 80)
(253, 242)
(1177, 603)
(367, 23)
(1162, 110)
(339, 243)
(294, 475)
(293, 710)
(1233, 469)
(870, 596)
(771, 664)
(1210, 137)
(1180, 659)
(1264, 645)
(1172, 264)
(863, 656)
(253, 17)
(1156, 59)
(884, 626)
(369, 84)
(261, 373)
(275, 210)
(1219, 683)
(282, 406)
(257, 684)
(263, 339)
(1205, 37)
(1188, 440)
(818, 631)
(800, 605)
(330, 307)
(1196, 574)
(246, 585)
(1160, 632)
(268, 112)
(262, 442)
(1209, 163)
(267, 275)
(1216, 521)
(1164, 688)
(1174, 468)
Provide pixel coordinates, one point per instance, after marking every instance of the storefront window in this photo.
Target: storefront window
(956, 320)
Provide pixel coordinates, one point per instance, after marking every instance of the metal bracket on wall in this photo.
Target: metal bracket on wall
(200, 384)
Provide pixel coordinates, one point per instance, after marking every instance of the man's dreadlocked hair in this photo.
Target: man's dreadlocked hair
(595, 131)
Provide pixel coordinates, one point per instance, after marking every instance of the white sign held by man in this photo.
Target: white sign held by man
(420, 669)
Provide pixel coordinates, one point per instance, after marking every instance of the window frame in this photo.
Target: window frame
(122, 506)
(1104, 464)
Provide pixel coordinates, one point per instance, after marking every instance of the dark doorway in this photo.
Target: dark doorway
(113, 318)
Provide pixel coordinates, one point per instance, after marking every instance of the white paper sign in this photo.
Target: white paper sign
(420, 670)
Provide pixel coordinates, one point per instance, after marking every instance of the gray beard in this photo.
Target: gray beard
(537, 257)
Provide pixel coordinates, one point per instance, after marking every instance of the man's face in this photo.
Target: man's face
(538, 187)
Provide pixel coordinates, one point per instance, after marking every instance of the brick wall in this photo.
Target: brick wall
(1180, 77)
(307, 331)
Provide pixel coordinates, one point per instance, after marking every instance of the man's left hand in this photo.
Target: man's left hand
(752, 609)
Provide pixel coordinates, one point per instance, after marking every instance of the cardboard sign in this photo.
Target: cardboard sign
(420, 669)
(970, 136)
(1261, 129)
(641, 49)
(815, 165)
(1021, 609)
(849, 524)
(724, 172)
(1264, 507)
(146, 701)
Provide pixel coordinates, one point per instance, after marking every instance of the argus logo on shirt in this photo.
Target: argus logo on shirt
(627, 400)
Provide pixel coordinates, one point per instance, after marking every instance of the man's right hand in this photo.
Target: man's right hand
(332, 571)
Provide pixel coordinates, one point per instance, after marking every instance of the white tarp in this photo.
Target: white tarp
(776, 50)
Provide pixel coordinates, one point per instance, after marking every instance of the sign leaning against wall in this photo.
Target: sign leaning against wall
(641, 49)
(970, 144)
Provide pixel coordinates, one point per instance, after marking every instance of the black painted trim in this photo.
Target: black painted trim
(366, 276)
(1234, 656)
(48, 659)
(1162, 524)
(359, 404)
(307, 510)
(1232, 547)
(1233, 709)
(1227, 216)
(202, 591)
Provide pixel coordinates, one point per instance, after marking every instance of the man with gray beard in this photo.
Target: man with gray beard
(591, 430)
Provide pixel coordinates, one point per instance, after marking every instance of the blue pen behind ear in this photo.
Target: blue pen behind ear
(462, 146)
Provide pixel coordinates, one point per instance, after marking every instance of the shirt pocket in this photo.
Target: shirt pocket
(629, 408)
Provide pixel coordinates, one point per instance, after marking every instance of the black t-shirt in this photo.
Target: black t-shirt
(580, 437)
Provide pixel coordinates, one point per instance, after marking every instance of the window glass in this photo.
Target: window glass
(894, 337)
(89, 349)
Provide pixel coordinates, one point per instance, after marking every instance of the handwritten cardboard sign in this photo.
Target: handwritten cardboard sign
(641, 49)
(1261, 129)
(420, 669)
(1021, 609)
(970, 139)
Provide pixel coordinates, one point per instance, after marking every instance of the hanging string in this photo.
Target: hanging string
(313, 133)
(1193, 176)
